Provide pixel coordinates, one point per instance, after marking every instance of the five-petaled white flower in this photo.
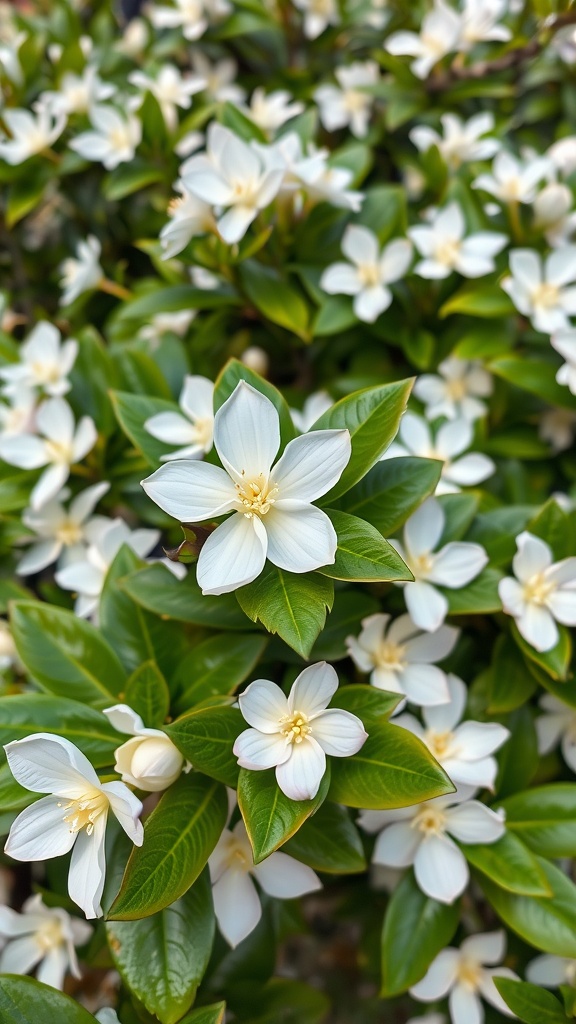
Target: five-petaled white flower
(189, 216)
(538, 288)
(349, 102)
(439, 35)
(445, 248)
(194, 427)
(450, 441)
(42, 937)
(17, 415)
(192, 16)
(171, 89)
(273, 515)
(466, 975)
(461, 141)
(464, 750)
(557, 725)
(236, 901)
(401, 658)
(424, 836)
(83, 272)
(370, 271)
(166, 323)
(542, 593)
(513, 180)
(149, 760)
(78, 93)
(62, 444)
(318, 15)
(453, 566)
(456, 390)
(30, 133)
(61, 534)
(270, 110)
(114, 139)
(45, 362)
(565, 343)
(293, 734)
(73, 817)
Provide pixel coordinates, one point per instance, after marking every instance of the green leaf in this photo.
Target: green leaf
(393, 769)
(335, 315)
(132, 411)
(556, 528)
(372, 416)
(216, 667)
(328, 841)
(480, 597)
(158, 590)
(27, 1001)
(64, 654)
(22, 714)
(206, 738)
(556, 662)
(497, 529)
(384, 211)
(147, 693)
(510, 864)
(129, 178)
(286, 1001)
(487, 299)
(350, 607)
(415, 929)
(362, 553)
(277, 299)
(510, 684)
(536, 376)
(291, 604)
(530, 1003)
(175, 298)
(235, 371)
(545, 818)
(179, 836)
(162, 958)
(518, 759)
(271, 817)
(546, 922)
(213, 1014)
(388, 495)
(459, 511)
(370, 704)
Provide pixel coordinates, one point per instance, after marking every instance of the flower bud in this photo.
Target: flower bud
(149, 762)
(552, 204)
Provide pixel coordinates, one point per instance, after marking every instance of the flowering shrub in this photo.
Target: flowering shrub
(287, 511)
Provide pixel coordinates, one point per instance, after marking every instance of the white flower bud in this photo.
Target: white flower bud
(255, 358)
(552, 204)
(149, 762)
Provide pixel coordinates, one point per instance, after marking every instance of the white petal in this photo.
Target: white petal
(300, 776)
(311, 464)
(360, 245)
(247, 431)
(236, 905)
(424, 529)
(371, 302)
(53, 968)
(457, 564)
(171, 427)
(341, 279)
(431, 647)
(538, 627)
(548, 970)
(480, 739)
(21, 955)
(473, 822)
(81, 577)
(441, 869)
(489, 991)
(465, 1006)
(55, 420)
(263, 705)
(84, 503)
(415, 434)
(50, 483)
(526, 267)
(562, 604)
(511, 593)
(301, 537)
(38, 557)
(45, 763)
(235, 222)
(485, 948)
(124, 719)
(561, 266)
(533, 556)
(339, 733)
(471, 469)
(233, 555)
(397, 845)
(286, 878)
(424, 685)
(40, 832)
(257, 751)
(313, 689)
(191, 491)
(24, 451)
(445, 718)
(439, 977)
(84, 439)
(396, 259)
(127, 808)
(88, 869)
(426, 605)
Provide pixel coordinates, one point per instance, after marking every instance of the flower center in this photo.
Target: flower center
(369, 274)
(244, 192)
(49, 936)
(430, 821)
(456, 389)
(118, 139)
(257, 495)
(83, 812)
(469, 974)
(422, 564)
(45, 373)
(545, 295)
(295, 727)
(59, 451)
(238, 856)
(447, 251)
(390, 655)
(203, 429)
(69, 532)
(355, 101)
(537, 589)
(440, 744)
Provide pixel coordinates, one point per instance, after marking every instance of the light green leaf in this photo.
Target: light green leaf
(271, 817)
(206, 738)
(370, 704)
(275, 297)
(362, 553)
(129, 178)
(545, 818)
(27, 1001)
(213, 1014)
(530, 1003)
(538, 376)
(147, 693)
(132, 411)
(291, 604)
(392, 491)
(510, 864)
(175, 298)
(486, 299)
(328, 841)
(478, 598)
(555, 662)
(548, 923)
(22, 714)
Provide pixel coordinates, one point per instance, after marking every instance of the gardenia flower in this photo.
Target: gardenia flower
(62, 444)
(236, 901)
(564, 342)
(83, 273)
(30, 132)
(42, 937)
(424, 836)
(114, 140)
(194, 430)
(557, 725)
(401, 658)
(166, 323)
(62, 534)
(192, 16)
(464, 750)
(318, 15)
(370, 271)
(538, 288)
(461, 141)
(314, 407)
(271, 504)
(541, 593)
(170, 89)
(310, 173)
(232, 176)
(439, 35)
(86, 576)
(563, 155)
(293, 734)
(220, 77)
(551, 971)
(271, 110)
(465, 975)
(149, 760)
(189, 216)
(73, 817)
(445, 249)
(453, 566)
(450, 441)
(512, 180)
(45, 362)
(552, 214)
(456, 390)
(479, 23)
(348, 103)
(77, 94)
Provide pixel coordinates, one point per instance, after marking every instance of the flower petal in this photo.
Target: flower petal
(424, 529)
(339, 733)
(446, 717)
(233, 555)
(538, 627)
(533, 556)
(465, 1006)
(439, 977)
(46, 763)
(431, 647)
(311, 464)
(263, 705)
(88, 869)
(485, 948)
(424, 685)
(441, 869)
(427, 606)
(301, 537)
(236, 905)
(21, 955)
(397, 845)
(247, 431)
(457, 564)
(191, 491)
(313, 689)
(286, 878)
(40, 832)
(473, 822)
(127, 808)
(257, 751)
(300, 776)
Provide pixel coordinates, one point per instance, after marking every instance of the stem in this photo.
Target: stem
(515, 222)
(50, 155)
(112, 288)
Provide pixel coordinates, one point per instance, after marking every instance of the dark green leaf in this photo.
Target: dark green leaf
(271, 817)
(290, 604)
(25, 713)
(206, 738)
(392, 491)
(530, 1003)
(158, 590)
(536, 376)
(545, 818)
(216, 667)
(147, 693)
(486, 299)
(328, 841)
(132, 411)
(556, 662)
(370, 704)
(510, 864)
(362, 553)
(27, 1001)
(275, 297)
(548, 923)
(478, 598)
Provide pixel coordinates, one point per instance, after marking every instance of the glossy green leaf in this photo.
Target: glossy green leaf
(530, 1003)
(370, 704)
(271, 817)
(392, 491)
(25, 713)
(482, 299)
(536, 376)
(510, 864)
(291, 604)
(216, 667)
(147, 693)
(27, 1001)
(350, 607)
(511, 685)
(275, 297)
(158, 590)
(288, 1001)
(546, 922)
(480, 597)
(328, 841)
(206, 738)
(545, 818)
(362, 553)
(129, 178)
(132, 411)
(213, 1014)
(556, 662)
(175, 298)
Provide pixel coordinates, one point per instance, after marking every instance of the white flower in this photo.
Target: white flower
(271, 110)
(461, 141)
(30, 133)
(538, 290)
(318, 15)
(564, 341)
(82, 273)
(348, 103)
(465, 975)
(166, 323)
(314, 406)
(464, 750)
(453, 566)
(62, 533)
(401, 659)
(424, 836)
(42, 937)
(77, 94)
(73, 817)
(512, 180)
(552, 214)
(18, 416)
(442, 244)
(236, 901)
(62, 444)
(220, 77)
(293, 734)
(232, 176)
(194, 430)
(170, 89)
(541, 594)
(9, 57)
(563, 155)
(310, 173)
(149, 760)
(479, 23)
(273, 516)
(557, 725)
(8, 652)
(439, 35)
(456, 390)
(192, 16)
(370, 271)
(86, 576)
(45, 362)
(557, 426)
(451, 439)
(189, 216)
(551, 971)
(114, 140)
